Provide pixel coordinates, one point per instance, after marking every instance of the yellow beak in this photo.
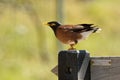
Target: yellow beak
(46, 24)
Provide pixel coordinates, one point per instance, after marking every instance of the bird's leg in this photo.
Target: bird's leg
(72, 47)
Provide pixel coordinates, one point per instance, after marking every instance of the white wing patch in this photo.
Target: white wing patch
(86, 34)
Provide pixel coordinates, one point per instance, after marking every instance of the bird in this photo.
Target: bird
(72, 34)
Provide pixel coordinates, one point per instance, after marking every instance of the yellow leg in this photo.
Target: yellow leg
(72, 47)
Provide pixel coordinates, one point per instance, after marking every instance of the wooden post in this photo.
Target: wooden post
(74, 65)
(77, 65)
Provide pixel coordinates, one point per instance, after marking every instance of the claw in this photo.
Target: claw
(71, 47)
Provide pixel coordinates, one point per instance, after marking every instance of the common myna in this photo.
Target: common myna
(72, 34)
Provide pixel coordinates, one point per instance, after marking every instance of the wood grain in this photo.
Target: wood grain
(111, 72)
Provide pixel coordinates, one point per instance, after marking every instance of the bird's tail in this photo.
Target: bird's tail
(96, 30)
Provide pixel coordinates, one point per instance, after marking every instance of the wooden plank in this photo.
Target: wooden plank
(101, 72)
(101, 62)
(73, 65)
(55, 70)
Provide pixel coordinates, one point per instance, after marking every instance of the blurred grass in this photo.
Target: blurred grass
(28, 49)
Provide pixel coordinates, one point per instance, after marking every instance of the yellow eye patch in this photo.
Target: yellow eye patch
(53, 24)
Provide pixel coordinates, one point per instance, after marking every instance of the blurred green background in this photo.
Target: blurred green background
(29, 49)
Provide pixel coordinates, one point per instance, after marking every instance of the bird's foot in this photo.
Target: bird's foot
(72, 49)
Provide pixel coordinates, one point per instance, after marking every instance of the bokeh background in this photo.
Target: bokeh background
(29, 49)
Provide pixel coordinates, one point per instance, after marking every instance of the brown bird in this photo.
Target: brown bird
(72, 34)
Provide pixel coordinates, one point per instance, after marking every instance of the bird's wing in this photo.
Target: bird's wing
(77, 28)
(71, 28)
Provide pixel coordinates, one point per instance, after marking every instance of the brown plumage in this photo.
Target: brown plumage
(72, 34)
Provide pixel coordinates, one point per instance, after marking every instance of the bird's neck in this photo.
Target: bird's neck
(54, 28)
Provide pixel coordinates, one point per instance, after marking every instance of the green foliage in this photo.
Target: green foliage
(28, 49)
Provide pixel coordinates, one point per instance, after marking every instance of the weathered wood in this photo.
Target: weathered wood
(55, 70)
(73, 65)
(108, 72)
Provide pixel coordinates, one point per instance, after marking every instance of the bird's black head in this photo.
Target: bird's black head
(54, 25)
